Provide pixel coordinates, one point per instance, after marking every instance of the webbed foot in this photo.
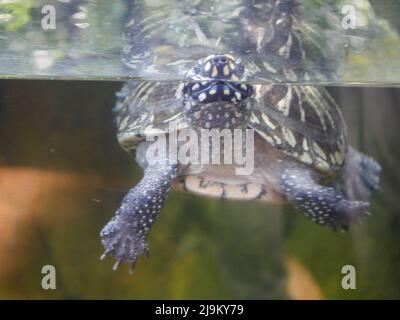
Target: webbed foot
(125, 235)
(125, 240)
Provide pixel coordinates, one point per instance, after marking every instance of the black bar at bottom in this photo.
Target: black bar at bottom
(196, 309)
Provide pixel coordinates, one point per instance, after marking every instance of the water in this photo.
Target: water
(62, 176)
(82, 39)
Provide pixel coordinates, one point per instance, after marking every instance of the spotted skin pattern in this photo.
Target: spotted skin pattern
(335, 205)
(323, 205)
(213, 97)
(124, 237)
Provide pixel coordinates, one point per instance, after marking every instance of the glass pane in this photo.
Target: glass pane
(63, 174)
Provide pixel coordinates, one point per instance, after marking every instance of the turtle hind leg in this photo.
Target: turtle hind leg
(323, 205)
(360, 176)
(124, 236)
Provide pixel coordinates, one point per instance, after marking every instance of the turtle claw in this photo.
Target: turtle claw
(123, 240)
(103, 256)
(116, 265)
(132, 266)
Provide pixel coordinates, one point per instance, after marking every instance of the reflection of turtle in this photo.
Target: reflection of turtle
(300, 149)
(166, 39)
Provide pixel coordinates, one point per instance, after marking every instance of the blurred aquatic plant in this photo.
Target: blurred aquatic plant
(15, 14)
(86, 35)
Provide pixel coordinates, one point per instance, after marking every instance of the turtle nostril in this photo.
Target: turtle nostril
(220, 60)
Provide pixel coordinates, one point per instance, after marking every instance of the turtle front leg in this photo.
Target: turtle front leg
(124, 236)
(323, 205)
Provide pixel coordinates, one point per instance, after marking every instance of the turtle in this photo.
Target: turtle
(301, 152)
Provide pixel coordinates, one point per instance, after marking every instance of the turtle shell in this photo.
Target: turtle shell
(146, 109)
(302, 121)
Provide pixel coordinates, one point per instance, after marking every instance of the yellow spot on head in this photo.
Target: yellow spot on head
(213, 91)
(215, 72)
(226, 70)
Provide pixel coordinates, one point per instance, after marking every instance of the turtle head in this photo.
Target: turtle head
(214, 96)
(218, 67)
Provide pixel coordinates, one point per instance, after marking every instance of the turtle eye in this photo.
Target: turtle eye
(240, 68)
(239, 65)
